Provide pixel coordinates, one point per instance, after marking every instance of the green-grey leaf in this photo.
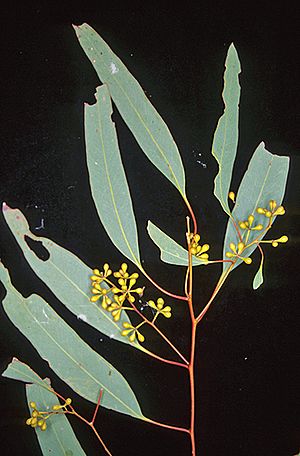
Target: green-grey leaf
(84, 370)
(170, 251)
(225, 140)
(68, 278)
(150, 131)
(17, 370)
(107, 177)
(264, 180)
(59, 438)
(258, 278)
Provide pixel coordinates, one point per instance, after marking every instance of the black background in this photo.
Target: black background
(246, 377)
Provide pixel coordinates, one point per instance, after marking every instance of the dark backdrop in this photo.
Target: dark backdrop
(246, 377)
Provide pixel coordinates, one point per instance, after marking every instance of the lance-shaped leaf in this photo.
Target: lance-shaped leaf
(225, 140)
(107, 176)
(264, 180)
(67, 277)
(84, 370)
(150, 131)
(59, 438)
(170, 251)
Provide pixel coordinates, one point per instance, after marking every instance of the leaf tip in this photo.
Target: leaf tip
(5, 207)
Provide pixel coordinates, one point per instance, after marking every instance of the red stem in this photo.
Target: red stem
(163, 336)
(181, 298)
(97, 406)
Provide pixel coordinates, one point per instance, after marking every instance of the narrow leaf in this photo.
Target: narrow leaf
(107, 177)
(67, 277)
(150, 131)
(59, 438)
(264, 180)
(84, 370)
(225, 140)
(170, 251)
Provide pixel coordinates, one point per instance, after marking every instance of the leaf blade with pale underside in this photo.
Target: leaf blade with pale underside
(67, 277)
(264, 180)
(77, 364)
(107, 177)
(225, 139)
(148, 128)
(170, 251)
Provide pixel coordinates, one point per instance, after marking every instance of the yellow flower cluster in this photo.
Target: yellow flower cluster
(248, 226)
(38, 418)
(236, 251)
(200, 251)
(272, 210)
(115, 296)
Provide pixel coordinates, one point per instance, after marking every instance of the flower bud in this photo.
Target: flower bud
(250, 219)
(241, 246)
(196, 238)
(247, 260)
(44, 426)
(243, 225)
(280, 211)
(283, 239)
(231, 195)
(232, 246)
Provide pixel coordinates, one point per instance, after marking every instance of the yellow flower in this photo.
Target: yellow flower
(272, 211)
(100, 292)
(116, 308)
(247, 224)
(198, 250)
(125, 291)
(132, 332)
(99, 276)
(236, 251)
(159, 307)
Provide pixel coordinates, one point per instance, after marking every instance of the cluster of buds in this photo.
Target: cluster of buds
(248, 224)
(200, 251)
(236, 251)
(38, 418)
(115, 298)
(272, 210)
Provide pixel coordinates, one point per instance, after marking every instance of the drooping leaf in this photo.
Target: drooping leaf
(225, 140)
(67, 276)
(150, 131)
(264, 180)
(170, 251)
(59, 438)
(258, 278)
(84, 370)
(107, 177)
